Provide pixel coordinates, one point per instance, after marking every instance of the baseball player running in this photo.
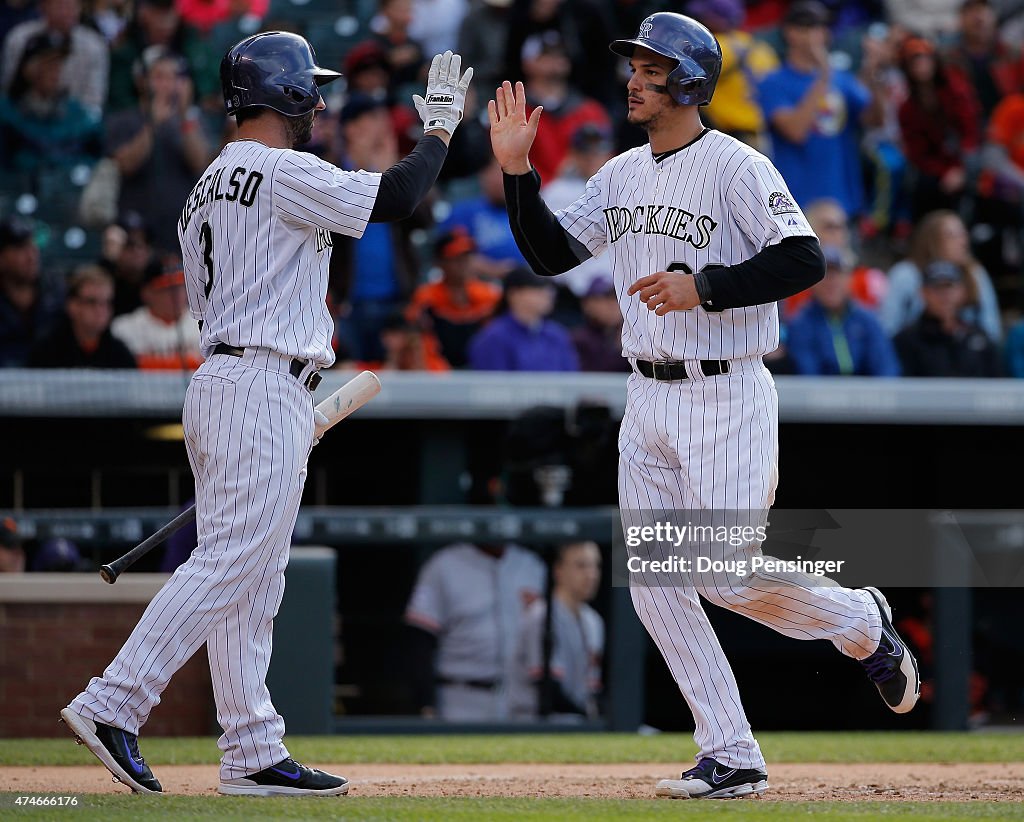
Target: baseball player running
(255, 236)
(704, 238)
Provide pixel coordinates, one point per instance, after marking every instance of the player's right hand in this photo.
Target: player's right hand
(511, 132)
(666, 291)
(446, 94)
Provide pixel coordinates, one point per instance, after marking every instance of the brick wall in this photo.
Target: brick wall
(49, 651)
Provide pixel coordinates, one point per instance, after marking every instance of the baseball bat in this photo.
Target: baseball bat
(352, 396)
(111, 572)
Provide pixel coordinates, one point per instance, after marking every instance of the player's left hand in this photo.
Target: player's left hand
(666, 291)
(446, 94)
(320, 423)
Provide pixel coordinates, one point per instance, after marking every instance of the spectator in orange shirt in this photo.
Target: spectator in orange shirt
(454, 307)
(407, 347)
(1001, 195)
(161, 333)
(1004, 149)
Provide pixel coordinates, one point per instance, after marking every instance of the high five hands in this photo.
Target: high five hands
(442, 108)
(511, 132)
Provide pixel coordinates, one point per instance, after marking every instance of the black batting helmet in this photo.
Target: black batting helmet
(276, 70)
(697, 54)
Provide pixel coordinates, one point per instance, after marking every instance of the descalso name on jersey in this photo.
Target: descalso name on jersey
(242, 186)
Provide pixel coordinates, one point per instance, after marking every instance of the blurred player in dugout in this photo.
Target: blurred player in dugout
(577, 642)
(465, 616)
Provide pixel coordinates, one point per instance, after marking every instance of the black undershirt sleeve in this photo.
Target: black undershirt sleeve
(547, 247)
(407, 182)
(774, 273)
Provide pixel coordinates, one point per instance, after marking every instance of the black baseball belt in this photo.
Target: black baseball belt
(666, 370)
(296, 367)
(480, 684)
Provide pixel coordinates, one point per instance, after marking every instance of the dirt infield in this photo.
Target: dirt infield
(793, 782)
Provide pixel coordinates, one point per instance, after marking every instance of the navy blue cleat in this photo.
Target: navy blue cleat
(118, 750)
(892, 666)
(286, 778)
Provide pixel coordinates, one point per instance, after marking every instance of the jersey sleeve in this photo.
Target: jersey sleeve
(761, 205)
(426, 608)
(308, 191)
(584, 219)
(537, 574)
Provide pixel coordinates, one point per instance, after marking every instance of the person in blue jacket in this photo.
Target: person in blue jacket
(834, 335)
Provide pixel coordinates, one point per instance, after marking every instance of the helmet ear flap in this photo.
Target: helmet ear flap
(687, 83)
(683, 88)
(296, 95)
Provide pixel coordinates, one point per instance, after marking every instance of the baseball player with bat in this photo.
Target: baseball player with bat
(704, 238)
(255, 238)
(348, 399)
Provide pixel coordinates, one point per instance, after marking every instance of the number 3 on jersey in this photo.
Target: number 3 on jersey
(206, 241)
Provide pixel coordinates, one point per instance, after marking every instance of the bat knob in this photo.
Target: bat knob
(108, 574)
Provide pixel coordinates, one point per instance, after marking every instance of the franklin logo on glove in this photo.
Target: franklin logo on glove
(446, 93)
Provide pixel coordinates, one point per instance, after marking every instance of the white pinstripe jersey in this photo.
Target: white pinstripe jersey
(714, 201)
(255, 239)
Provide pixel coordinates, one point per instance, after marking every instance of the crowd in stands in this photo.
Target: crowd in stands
(896, 125)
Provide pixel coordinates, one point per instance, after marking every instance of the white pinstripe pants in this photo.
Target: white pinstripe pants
(248, 430)
(712, 443)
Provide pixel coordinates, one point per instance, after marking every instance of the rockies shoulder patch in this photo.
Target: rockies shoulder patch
(779, 203)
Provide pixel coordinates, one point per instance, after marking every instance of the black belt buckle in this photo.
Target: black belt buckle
(661, 370)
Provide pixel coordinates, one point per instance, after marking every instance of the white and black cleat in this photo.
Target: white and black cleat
(286, 778)
(892, 666)
(118, 751)
(711, 780)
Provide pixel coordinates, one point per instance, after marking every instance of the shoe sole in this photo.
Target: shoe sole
(734, 792)
(86, 735)
(908, 665)
(278, 790)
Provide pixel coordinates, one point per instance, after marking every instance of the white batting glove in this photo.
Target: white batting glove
(446, 93)
(320, 425)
